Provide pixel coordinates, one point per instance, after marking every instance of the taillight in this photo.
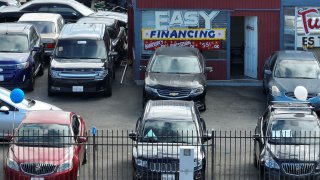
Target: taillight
(50, 45)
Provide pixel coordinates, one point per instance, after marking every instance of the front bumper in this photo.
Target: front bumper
(280, 174)
(198, 99)
(11, 174)
(151, 175)
(66, 85)
(16, 78)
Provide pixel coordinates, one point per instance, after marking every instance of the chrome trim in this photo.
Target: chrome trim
(298, 168)
(42, 165)
(78, 75)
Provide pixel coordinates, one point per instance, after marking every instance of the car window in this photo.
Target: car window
(34, 38)
(63, 9)
(169, 131)
(17, 43)
(291, 68)
(273, 62)
(43, 27)
(3, 3)
(35, 8)
(178, 65)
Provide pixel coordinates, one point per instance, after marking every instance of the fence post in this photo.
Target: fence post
(94, 132)
(213, 153)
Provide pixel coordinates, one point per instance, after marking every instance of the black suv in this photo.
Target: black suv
(176, 73)
(165, 126)
(82, 60)
(286, 142)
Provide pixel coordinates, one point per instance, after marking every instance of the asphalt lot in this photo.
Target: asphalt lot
(228, 108)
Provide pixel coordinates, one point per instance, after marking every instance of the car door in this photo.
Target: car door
(11, 119)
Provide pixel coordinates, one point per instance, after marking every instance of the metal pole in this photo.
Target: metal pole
(94, 131)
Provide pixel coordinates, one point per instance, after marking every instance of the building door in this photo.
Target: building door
(251, 46)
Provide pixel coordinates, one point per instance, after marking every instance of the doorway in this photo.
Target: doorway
(243, 47)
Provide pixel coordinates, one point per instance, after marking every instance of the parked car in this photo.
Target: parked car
(47, 145)
(9, 3)
(48, 25)
(176, 73)
(285, 70)
(21, 55)
(82, 61)
(116, 33)
(121, 17)
(286, 143)
(164, 127)
(70, 10)
(12, 114)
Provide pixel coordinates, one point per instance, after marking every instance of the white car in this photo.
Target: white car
(12, 114)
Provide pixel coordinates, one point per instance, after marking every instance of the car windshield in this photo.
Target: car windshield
(14, 43)
(80, 49)
(176, 65)
(294, 131)
(43, 27)
(169, 131)
(297, 69)
(43, 135)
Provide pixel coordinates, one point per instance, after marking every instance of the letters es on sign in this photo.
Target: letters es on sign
(166, 19)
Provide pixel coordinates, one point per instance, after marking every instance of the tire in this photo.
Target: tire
(31, 83)
(108, 91)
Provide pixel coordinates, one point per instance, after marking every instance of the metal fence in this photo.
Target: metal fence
(109, 154)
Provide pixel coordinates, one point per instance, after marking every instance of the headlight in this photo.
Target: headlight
(102, 74)
(275, 91)
(197, 91)
(150, 89)
(197, 162)
(24, 65)
(142, 163)
(54, 73)
(269, 161)
(12, 164)
(65, 166)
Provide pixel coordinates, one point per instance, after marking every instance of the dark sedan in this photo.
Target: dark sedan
(285, 70)
(176, 73)
(286, 142)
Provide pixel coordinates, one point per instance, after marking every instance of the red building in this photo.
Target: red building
(235, 36)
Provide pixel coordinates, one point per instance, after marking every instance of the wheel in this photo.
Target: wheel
(31, 83)
(108, 91)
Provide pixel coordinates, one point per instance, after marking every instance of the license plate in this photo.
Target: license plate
(167, 177)
(37, 178)
(1, 78)
(77, 88)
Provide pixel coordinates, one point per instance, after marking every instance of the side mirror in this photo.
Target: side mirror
(4, 109)
(36, 48)
(82, 139)
(267, 72)
(142, 68)
(206, 137)
(208, 69)
(133, 136)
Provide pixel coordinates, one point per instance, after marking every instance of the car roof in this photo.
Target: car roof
(177, 51)
(15, 28)
(97, 20)
(40, 17)
(300, 55)
(169, 110)
(47, 117)
(78, 30)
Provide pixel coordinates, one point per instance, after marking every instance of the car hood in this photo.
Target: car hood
(77, 63)
(49, 37)
(163, 150)
(39, 105)
(288, 85)
(50, 155)
(295, 152)
(175, 80)
(8, 58)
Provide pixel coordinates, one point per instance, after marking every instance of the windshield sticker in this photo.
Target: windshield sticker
(150, 134)
(281, 133)
(60, 48)
(82, 42)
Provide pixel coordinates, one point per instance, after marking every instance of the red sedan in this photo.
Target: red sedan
(47, 145)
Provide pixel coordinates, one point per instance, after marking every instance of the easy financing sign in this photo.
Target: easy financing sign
(184, 28)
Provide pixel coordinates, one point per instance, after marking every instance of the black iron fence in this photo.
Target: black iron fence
(113, 155)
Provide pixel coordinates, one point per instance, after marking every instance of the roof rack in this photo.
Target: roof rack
(291, 105)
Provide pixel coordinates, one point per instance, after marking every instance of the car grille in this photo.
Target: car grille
(38, 168)
(174, 93)
(298, 168)
(164, 167)
(291, 94)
